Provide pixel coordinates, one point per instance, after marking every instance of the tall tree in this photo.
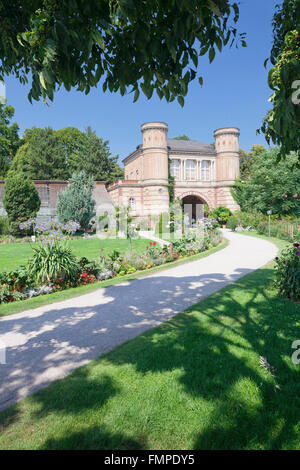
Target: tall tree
(9, 138)
(95, 159)
(248, 159)
(50, 154)
(282, 123)
(72, 140)
(181, 137)
(272, 185)
(78, 43)
(42, 156)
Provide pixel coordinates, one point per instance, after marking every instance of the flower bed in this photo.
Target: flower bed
(54, 267)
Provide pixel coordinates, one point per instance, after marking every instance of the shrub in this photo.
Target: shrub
(53, 261)
(232, 223)
(4, 225)
(7, 294)
(287, 272)
(21, 200)
(17, 279)
(76, 202)
(221, 214)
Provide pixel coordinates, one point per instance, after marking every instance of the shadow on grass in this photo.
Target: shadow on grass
(216, 345)
(93, 438)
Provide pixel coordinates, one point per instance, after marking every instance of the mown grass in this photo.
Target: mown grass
(192, 383)
(29, 304)
(13, 255)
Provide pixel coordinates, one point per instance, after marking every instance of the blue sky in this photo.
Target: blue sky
(234, 93)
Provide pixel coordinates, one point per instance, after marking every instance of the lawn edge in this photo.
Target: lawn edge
(48, 299)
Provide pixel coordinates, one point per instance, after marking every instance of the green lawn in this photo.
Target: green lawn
(192, 383)
(28, 304)
(13, 255)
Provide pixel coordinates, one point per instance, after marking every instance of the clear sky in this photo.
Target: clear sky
(234, 93)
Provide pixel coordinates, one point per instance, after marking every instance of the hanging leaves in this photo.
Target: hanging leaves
(144, 46)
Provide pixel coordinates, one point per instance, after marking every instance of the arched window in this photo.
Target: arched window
(190, 170)
(175, 168)
(205, 170)
(131, 203)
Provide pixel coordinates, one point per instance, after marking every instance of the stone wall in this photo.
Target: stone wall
(49, 190)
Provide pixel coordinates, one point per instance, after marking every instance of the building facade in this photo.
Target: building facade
(203, 173)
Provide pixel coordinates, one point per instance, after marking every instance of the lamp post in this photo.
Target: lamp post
(269, 214)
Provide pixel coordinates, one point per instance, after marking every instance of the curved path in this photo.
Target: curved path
(48, 342)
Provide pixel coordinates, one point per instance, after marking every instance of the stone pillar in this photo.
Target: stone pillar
(227, 164)
(155, 167)
(227, 150)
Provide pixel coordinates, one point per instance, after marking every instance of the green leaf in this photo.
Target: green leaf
(180, 100)
(212, 54)
(136, 95)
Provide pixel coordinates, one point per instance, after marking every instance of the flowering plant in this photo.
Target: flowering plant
(9, 294)
(153, 250)
(52, 259)
(51, 231)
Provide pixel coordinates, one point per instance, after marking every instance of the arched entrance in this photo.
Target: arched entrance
(193, 208)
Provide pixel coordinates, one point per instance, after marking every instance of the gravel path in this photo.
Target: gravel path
(48, 342)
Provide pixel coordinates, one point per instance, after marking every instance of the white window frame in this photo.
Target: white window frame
(205, 170)
(175, 168)
(190, 173)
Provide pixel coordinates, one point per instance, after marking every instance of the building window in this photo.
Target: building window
(190, 170)
(205, 170)
(131, 203)
(175, 169)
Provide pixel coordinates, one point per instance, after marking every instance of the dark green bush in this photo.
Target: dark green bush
(221, 214)
(4, 225)
(287, 272)
(232, 223)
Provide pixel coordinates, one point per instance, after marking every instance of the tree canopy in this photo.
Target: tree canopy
(50, 154)
(247, 160)
(181, 137)
(42, 156)
(272, 185)
(282, 123)
(9, 138)
(131, 45)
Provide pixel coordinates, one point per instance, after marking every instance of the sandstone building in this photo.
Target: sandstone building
(203, 173)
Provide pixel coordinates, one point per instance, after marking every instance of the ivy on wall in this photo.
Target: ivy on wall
(171, 182)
